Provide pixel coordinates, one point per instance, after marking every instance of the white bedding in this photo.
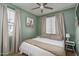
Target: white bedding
(50, 41)
(36, 51)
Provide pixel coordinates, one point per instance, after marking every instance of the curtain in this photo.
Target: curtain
(60, 29)
(43, 28)
(59, 24)
(43, 25)
(1, 17)
(4, 47)
(16, 33)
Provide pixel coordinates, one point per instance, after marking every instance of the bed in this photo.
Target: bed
(42, 47)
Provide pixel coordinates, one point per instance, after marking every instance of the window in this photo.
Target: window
(11, 16)
(50, 25)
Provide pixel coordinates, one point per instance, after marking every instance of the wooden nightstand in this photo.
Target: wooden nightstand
(70, 48)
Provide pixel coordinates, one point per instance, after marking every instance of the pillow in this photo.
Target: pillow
(52, 36)
(56, 37)
(46, 36)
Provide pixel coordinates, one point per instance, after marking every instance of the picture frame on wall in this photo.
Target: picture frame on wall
(29, 22)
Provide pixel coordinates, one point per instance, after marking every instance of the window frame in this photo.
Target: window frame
(51, 25)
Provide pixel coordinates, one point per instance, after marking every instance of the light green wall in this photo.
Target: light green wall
(77, 39)
(70, 22)
(69, 16)
(26, 32)
(77, 31)
(38, 26)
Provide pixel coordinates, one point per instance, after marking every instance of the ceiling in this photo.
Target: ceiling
(56, 7)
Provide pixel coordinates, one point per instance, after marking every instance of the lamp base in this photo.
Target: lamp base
(67, 39)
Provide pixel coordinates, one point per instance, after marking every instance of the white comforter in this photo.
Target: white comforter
(36, 51)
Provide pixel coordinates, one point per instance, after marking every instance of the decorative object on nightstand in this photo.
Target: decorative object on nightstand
(67, 36)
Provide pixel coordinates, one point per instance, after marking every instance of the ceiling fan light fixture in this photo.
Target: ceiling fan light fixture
(42, 7)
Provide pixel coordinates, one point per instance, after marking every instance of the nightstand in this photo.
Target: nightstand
(70, 48)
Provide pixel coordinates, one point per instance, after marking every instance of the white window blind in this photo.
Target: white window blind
(50, 25)
(11, 17)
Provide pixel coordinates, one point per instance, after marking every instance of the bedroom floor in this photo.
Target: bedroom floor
(67, 54)
(18, 54)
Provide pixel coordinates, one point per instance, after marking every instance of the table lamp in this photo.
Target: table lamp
(67, 36)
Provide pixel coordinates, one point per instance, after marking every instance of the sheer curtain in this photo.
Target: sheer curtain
(1, 17)
(4, 47)
(60, 29)
(16, 32)
(43, 25)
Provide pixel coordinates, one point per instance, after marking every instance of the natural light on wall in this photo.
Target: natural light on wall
(50, 25)
(11, 17)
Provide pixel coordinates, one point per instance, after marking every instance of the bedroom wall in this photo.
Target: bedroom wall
(38, 26)
(70, 22)
(26, 32)
(77, 40)
(69, 15)
(77, 31)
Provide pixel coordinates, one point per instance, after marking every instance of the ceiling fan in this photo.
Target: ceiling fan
(42, 6)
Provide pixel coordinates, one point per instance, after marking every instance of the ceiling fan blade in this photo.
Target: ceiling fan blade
(38, 4)
(35, 8)
(44, 4)
(48, 7)
(41, 10)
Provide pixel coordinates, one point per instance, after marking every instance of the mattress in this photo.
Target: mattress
(32, 50)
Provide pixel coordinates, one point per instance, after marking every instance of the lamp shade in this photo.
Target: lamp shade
(67, 35)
